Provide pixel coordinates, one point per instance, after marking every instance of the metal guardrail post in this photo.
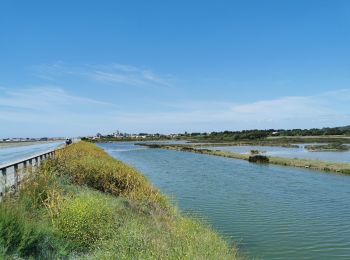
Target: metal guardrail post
(33, 161)
(3, 173)
(16, 176)
(3, 183)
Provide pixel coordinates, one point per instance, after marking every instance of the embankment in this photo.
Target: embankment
(86, 205)
(301, 163)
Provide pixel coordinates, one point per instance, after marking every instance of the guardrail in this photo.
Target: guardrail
(12, 173)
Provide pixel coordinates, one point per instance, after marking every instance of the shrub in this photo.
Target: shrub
(142, 237)
(258, 159)
(185, 148)
(42, 189)
(346, 171)
(86, 164)
(18, 236)
(85, 220)
(37, 185)
(154, 146)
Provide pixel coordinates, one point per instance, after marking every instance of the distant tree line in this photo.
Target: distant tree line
(261, 134)
(245, 135)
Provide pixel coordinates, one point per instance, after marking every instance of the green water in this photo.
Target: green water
(270, 212)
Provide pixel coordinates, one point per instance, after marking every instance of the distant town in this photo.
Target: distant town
(127, 136)
(253, 134)
(27, 139)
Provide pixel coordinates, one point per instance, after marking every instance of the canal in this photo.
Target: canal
(269, 212)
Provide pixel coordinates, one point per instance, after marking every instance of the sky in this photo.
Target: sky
(75, 68)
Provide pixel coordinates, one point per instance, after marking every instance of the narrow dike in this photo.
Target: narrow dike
(300, 163)
(85, 204)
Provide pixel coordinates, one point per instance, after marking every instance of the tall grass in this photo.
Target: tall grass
(86, 164)
(85, 220)
(20, 235)
(86, 205)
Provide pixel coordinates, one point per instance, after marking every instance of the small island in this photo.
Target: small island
(332, 147)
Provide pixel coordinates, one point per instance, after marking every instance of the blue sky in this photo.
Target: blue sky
(72, 68)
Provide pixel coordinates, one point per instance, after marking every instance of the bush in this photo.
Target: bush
(143, 237)
(258, 159)
(85, 220)
(39, 186)
(186, 149)
(86, 164)
(346, 171)
(18, 236)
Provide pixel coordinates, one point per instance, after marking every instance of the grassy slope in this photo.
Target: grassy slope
(84, 204)
(302, 163)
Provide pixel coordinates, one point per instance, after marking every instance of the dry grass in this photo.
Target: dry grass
(86, 164)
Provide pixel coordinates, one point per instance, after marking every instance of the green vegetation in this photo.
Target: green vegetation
(302, 163)
(278, 137)
(258, 159)
(268, 137)
(283, 141)
(332, 147)
(81, 224)
(86, 205)
(17, 234)
(111, 138)
(252, 152)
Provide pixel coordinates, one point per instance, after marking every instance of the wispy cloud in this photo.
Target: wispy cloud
(308, 107)
(44, 98)
(40, 111)
(52, 71)
(325, 109)
(112, 74)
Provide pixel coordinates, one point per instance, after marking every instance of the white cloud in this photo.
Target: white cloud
(43, 98)
(285, 112)
(48, 111)
(112, 74)
(324, 105)
(116, 78)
